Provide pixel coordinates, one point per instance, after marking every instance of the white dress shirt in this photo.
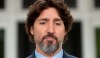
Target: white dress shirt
(58, 55)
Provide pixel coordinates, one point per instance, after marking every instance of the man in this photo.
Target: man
(48, 24)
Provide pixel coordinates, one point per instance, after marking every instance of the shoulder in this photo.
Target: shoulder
(66, 55)
(31, 56)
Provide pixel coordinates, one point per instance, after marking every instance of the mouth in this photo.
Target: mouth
(50, 41)
(49, 38)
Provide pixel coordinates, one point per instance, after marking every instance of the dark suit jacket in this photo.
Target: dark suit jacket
(65, 55)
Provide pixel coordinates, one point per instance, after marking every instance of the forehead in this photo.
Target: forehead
(49, 13)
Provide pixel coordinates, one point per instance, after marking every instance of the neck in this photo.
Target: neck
(45, 54)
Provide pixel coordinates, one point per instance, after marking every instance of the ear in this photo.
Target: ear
(65, 32)
(31, 30)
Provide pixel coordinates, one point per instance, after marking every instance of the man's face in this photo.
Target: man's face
(48, 30)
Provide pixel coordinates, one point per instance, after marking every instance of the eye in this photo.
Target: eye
(42, 23)
(58, 24)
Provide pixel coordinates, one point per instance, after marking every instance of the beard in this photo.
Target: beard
(49, 48)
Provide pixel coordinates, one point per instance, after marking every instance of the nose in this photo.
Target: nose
(50, 28)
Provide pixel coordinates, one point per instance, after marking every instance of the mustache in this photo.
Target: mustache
(49, 35)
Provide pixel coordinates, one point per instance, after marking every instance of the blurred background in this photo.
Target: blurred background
(84, 38)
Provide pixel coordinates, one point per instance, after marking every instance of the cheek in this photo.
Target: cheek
(38, 34)
(61, 34)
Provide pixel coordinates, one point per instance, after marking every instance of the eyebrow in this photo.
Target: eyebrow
(57, 19)
(46, 19)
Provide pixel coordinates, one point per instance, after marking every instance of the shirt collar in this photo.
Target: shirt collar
(58, 55)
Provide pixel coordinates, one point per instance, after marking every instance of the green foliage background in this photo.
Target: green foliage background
(98, 42)
(1, 43)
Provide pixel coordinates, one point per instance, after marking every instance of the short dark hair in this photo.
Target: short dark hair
(38, 6)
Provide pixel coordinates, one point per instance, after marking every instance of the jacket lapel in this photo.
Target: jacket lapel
(66, 55)
(32, 56)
